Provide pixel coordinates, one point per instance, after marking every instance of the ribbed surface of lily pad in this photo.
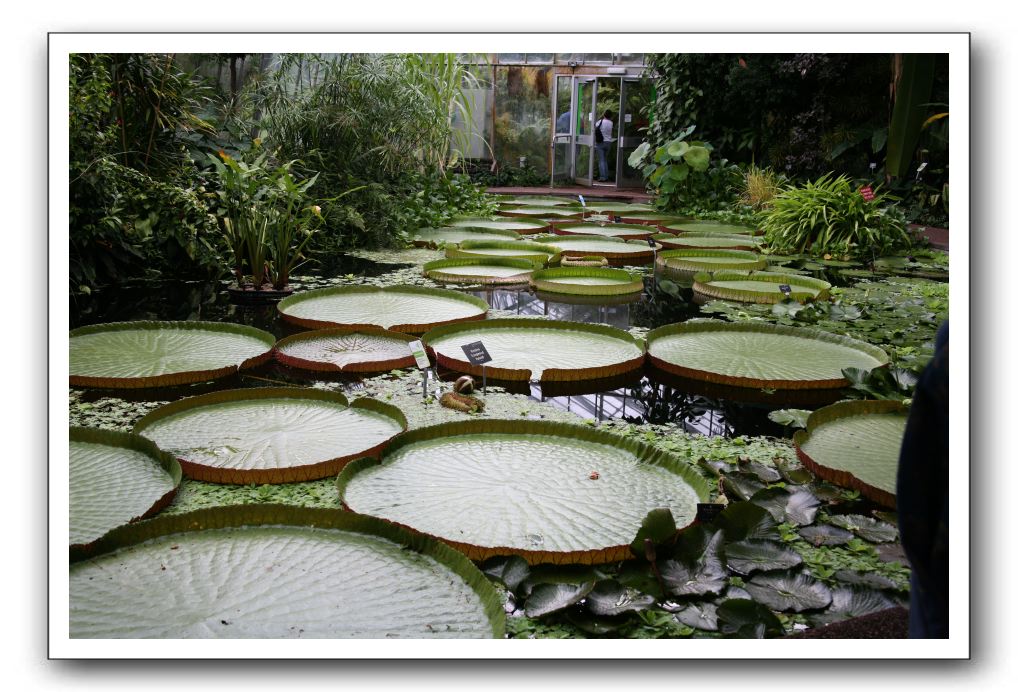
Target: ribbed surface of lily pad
(112, 484)
(536, 252)
(522, 492)
(589, 281)
(394, 307)
(488, 270)
(856, 444)
(539, 201)
(507, 224)
(458, 235)
(542, 212)
(601, 246)
(233, 436)
(708, 227)
(133, 354)
(755, 355)
(611, 230)
(271, 582)
(758, 286)
(335, 349)
(538, 345)
(686, 240)
(683, 263)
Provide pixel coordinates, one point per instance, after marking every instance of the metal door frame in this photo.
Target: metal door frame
(624, 137)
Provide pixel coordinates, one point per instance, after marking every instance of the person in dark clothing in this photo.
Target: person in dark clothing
(922, 497)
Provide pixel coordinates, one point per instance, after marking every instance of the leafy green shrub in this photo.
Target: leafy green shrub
(684, 177)
(830, 217)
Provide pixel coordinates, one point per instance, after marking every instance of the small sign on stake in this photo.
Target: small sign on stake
(867, 193)
(786, 289)
(707, 512)
(421, 356)
(477, 354)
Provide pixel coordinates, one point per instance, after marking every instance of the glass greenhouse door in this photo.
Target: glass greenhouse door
(632, 128)
(585, 105)
(562, 135)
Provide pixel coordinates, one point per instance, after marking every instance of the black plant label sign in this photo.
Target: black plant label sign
(618, 219)
(650, 241)
(706, 512)
(477, 354)
(785, 288)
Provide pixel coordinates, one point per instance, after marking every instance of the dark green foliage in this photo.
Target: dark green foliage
(137, 205)
(829, 216)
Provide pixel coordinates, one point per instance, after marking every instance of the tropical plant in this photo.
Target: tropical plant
(829, 216)
(760, 186)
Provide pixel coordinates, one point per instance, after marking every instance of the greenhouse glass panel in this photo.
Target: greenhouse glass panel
(523, 116)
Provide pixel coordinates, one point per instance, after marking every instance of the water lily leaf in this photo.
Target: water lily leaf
(345, 350)
(586, 281)
(160, 354)
(825, 534)
(594, 624)
(797, 476)
(270, 434)
(610, 598)
(792, 591)
(767, 474)
(409, 309)
(741, 485)
(626, 231)
(523, 487)
(747, 620)
(866, 528)
(658, 527)
(794, 417)
(751, 354)
(510, 570)
(434, 237)
(494, 271)
(275, 571)
(745, 557)
(856, 444)
(873, 580)
(760, 287)
(115, 478)
(549, 598)
(795, 505)
(850, 602)
(744, 520)
(716, 467)
(527, 349)
(639, 575)
(522, 226)
(702, 616)
(705, 575)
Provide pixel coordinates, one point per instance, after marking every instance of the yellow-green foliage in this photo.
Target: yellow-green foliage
(760, 186)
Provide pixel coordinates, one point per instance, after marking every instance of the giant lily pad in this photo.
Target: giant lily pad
(649, 218)
(346, 349)
(161, 354)
(684, 264)
(116, 478)
(750, 354)
(274, 572)
(708, 227)
(270, 434)
(488, 271)
(544, 212)
(548, 492)
(626, 231)
(521, 226)
(615, 250)
(432, 237)
(510, 202)
(407, 309)
(856, 444)
(534, 252)
(693, 241)
(536, 349)
(586, 281)
(758, 286)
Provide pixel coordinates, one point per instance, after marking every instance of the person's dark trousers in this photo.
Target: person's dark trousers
(602, 159)
(922, 494)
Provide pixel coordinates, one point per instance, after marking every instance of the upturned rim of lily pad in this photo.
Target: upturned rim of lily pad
(174, 378)
(841, 477)
(288, 474)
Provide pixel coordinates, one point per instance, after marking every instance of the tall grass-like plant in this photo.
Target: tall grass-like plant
(829, 216)
(760, 186)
